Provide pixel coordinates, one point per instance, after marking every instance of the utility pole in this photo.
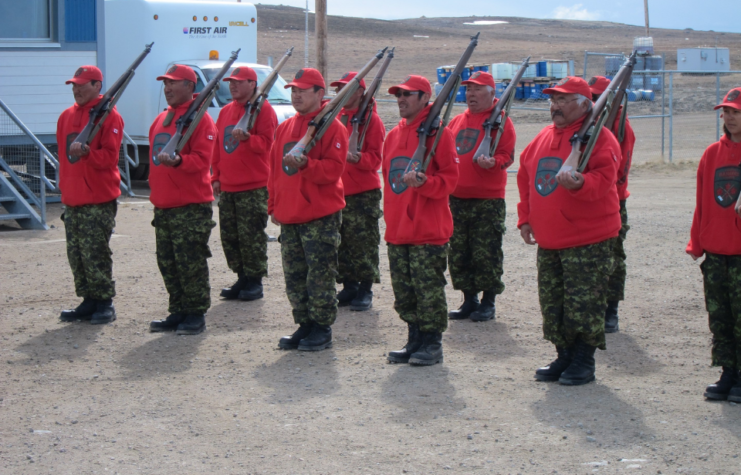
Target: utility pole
(306, 36)
(645, 9)
(320, 25)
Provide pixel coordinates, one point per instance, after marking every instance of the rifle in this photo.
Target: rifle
(620, 98)
(319, 125)
(496, 120)
(254, 105)
(589, 132)
(362, 116)
(195, 112)
(99, 113)
(432, 124)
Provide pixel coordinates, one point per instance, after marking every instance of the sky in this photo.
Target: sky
(717, 15)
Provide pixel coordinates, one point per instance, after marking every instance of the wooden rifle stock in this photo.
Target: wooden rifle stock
(432, 124)
(367, 103)
(589, 132)
(620, 98)
(254, 105)
(188, 122)
(99, 113)
(319, 125)
(496, 120)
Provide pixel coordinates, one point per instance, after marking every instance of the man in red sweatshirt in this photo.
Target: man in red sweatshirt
(477, 203)
(616, 287)
(240, 170)
(182, 195)
(418, 224)
(574, 218)
(306, 200)
(358, 252)
(89, 181)
(716, 233)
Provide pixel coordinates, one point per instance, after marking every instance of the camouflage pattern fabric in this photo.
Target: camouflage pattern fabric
(243, 217)
(358, 252)
(309, 252)
(88, 230)
(418, 280)
(476, 258)
(572, 288)
(616, 287)
(722, 283)
(182, 252)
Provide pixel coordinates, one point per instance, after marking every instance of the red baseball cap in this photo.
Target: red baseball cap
(85, 74)
(571, 85)
(346, 79)
(598, 84)
(178, 72)
(306, 78)
(481, 78)
(732, 99)
(413, 83)
(242, 73)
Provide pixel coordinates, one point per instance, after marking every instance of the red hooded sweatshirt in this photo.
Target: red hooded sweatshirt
(189, 182)
(716, 227)
(94, 178)
(474, 181)
(626, 149)
(563, 218)
(314, 191)
(421, 215)
(243, 165)
(363, 176)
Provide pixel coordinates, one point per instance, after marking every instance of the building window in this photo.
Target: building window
(26, 20)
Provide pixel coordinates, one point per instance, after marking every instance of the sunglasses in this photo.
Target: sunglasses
(405, 93)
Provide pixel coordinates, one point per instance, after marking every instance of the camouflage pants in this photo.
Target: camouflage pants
(358, 252)
(572, 288)
(476, 256)
(616, 287)
(243, 218)
(309, 252)
(418, 280)
(182, 252)
(722, 282)
(88, 230)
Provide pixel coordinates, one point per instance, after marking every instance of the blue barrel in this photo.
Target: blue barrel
(483, 68)
(461, 96)
(499, 89)
(466, 74)
(442, 75)
(520, 92)
(648, 95)
(541, 69)
(631, 96)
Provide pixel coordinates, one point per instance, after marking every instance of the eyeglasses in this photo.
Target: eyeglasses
(404, 93)
(561, 101)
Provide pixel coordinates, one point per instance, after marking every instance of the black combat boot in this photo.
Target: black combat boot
(170, 324)
(582, 367)
(431, 351)
(193, 324)
(319, 338)
(231, 293)
(735, 394)
(104, 312)
(721, 389)
(84, 311)
(487, 309)
(414, 341)
(364, 299)
(470, 304)
(553, 371)
(348, 293)
(253, 289)
(290, 342)
(611, 317)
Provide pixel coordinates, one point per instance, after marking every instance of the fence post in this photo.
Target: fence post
(584, 75)
(42, 186)
(717, 101)
(663, 101)
(671, 115)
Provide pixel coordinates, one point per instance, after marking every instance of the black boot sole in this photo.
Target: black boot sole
(287, 346)
(614, 329)
(419, 362)
(84, 318)
(397, 360)
(343, 304)
(576, 382)
(250, 297)
(360, 308)
(458, 316)
(228, 296)
(101, 321)
(716, 396)
(476, 318)
(162, 329)
(736, 399)
(547, 378)
(190, 331)
(321, 347)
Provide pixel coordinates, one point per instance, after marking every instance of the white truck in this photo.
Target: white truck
(198, 33)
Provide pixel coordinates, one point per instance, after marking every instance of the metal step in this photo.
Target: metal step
(7, 199)
(5, 217)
